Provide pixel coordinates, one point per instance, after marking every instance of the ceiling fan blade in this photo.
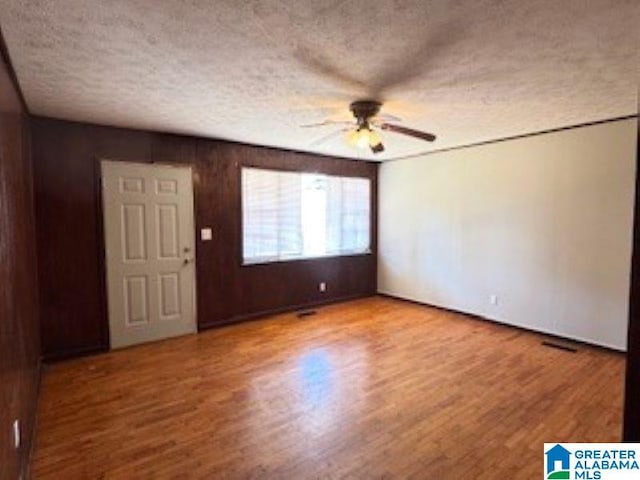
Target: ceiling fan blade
(429, 137)
(324, 66)
(385, 117)
(426, 53)
(328, 122)
(403, 69)
(325, 138)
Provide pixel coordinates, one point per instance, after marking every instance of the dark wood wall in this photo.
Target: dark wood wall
(631, 432)
(70, 246)
(19, 340)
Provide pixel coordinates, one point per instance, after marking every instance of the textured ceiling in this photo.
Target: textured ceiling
(254, 71)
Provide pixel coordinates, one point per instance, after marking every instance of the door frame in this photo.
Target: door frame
(105, 341)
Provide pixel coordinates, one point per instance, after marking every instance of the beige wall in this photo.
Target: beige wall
(544, 223)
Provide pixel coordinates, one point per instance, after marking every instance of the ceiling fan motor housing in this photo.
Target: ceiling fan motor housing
(363, 110)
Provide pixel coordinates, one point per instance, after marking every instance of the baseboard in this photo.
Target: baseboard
(277, 311)
(94, 349)
(474, 316)
(73, 353)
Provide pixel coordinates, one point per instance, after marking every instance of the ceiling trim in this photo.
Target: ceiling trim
(514, 137)
(6, 59)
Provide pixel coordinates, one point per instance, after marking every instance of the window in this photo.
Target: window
(293, 215)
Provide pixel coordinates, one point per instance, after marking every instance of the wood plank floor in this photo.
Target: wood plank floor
(375, 388)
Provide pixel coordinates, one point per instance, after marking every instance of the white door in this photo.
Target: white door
(150, 251)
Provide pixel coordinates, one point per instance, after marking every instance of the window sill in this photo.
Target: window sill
(305, 259)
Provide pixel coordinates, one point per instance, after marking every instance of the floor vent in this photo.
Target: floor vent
(305, 313)
(559, 346)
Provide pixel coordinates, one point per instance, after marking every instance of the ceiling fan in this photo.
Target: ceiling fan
(364, 133)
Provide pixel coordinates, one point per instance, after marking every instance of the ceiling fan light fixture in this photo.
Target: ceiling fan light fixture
(379, 148)
(352, 137)
(359, 137)
(364, 138)
(374, 138)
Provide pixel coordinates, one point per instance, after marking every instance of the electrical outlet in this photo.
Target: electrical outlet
(16, 433)
(322, 286)
(206, 234)
(493, 299)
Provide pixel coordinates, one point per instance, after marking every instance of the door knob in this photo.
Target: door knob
(187, 261)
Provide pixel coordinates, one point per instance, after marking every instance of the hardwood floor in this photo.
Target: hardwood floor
(374, 388)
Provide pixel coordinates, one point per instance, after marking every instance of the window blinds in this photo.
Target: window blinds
(292, 215)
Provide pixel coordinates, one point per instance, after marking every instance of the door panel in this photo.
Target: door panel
(133, 237)
(135, 300)
(132, 185)
(150, 245)
(169, 295)
(166, 186)
(167, 230)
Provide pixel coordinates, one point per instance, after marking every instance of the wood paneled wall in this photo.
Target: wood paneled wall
(70, 246)
(631, 430)
(19, 340)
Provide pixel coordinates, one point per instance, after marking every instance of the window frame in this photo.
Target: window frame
(372, 215)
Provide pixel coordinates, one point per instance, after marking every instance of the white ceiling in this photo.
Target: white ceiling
(255, 70)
